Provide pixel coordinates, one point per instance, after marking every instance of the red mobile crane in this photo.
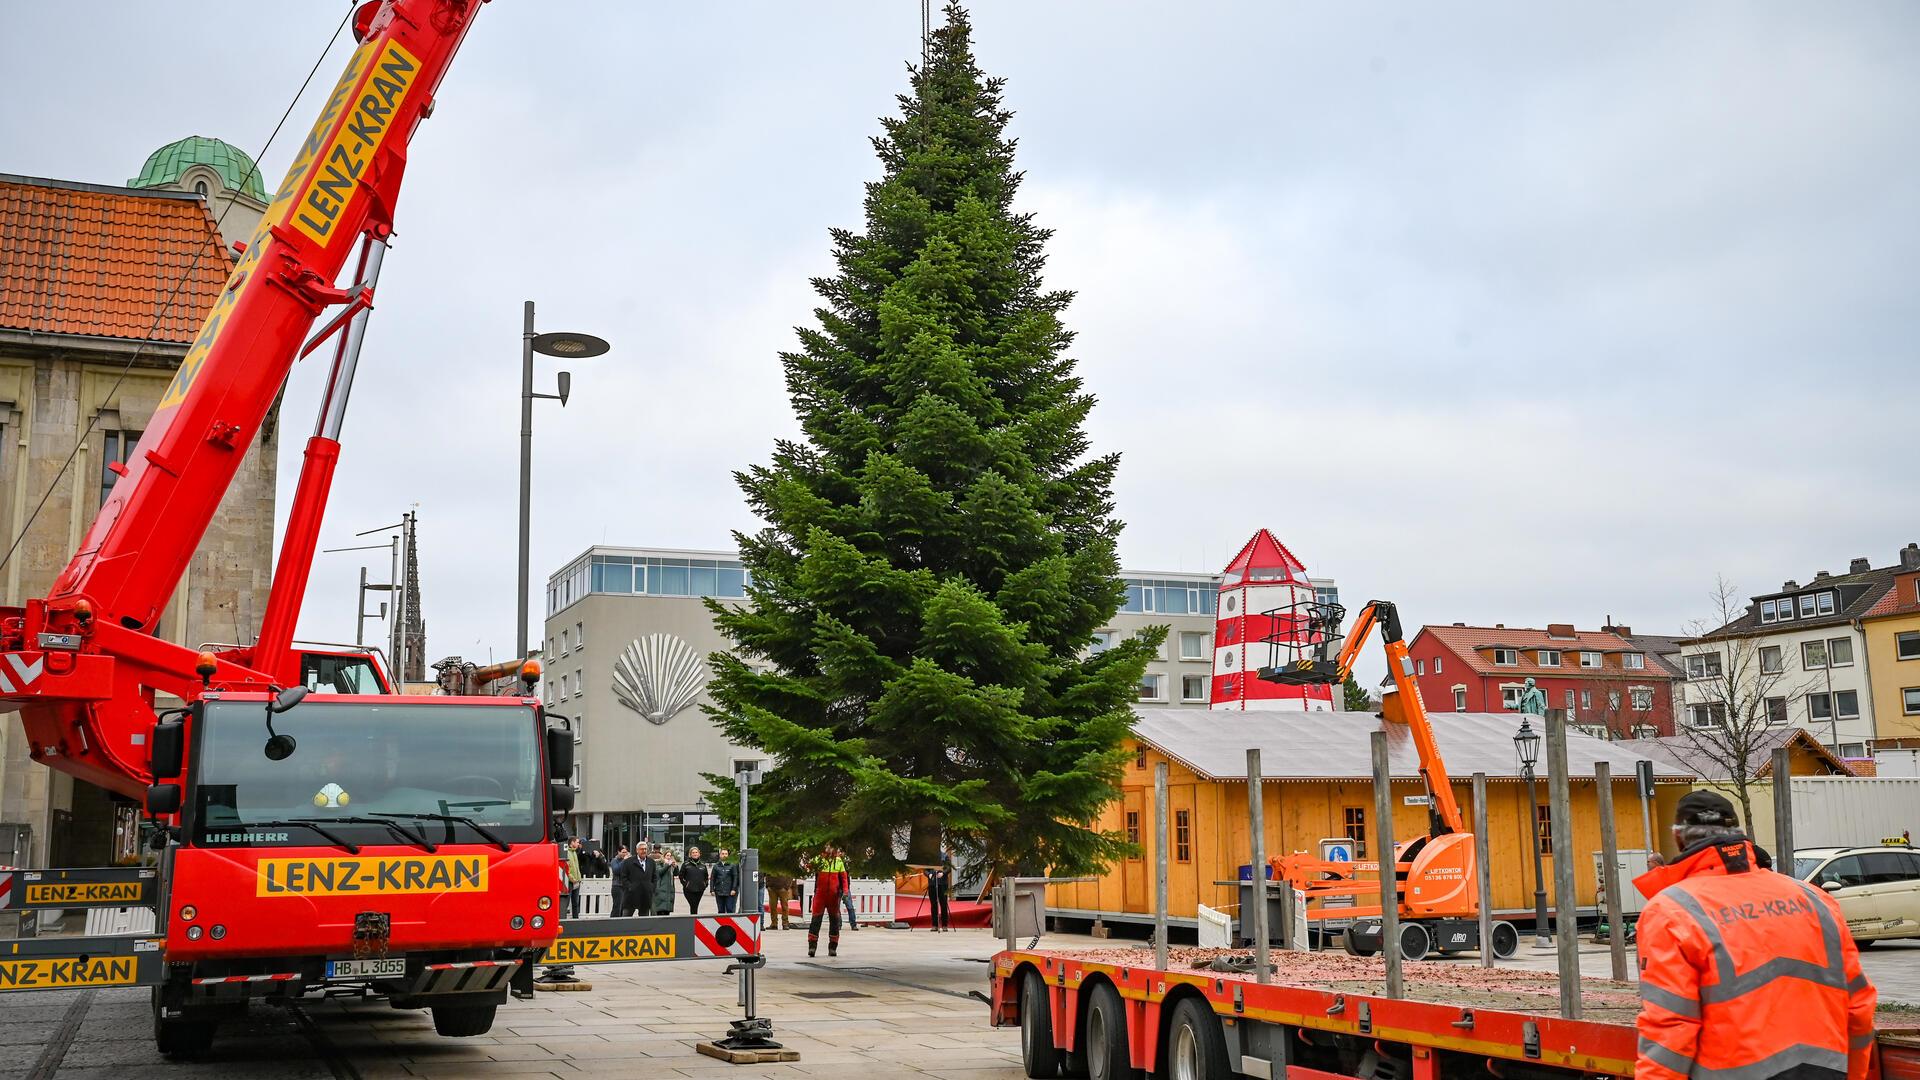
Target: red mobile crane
(398, 845)
(1440, 898)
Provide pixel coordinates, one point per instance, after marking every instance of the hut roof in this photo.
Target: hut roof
(1336, 745)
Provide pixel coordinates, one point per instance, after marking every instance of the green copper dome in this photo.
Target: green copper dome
(166, 165)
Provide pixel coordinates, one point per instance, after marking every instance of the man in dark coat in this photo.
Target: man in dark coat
(694, 877)
(635, 881)
(615, 885)
(726, 884)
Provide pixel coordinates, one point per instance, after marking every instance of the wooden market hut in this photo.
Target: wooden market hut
(1317, 768)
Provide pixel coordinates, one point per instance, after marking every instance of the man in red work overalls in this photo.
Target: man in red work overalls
(830, 884)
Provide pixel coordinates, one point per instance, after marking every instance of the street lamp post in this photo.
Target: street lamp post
(1527, 743)
(565, 346)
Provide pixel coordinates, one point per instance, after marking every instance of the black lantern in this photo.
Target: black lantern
(1527, 742)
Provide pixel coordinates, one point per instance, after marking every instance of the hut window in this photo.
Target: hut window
(1543, 828)
(1182, 837)
(1140, 756)
(1354, 826)
(1133, 830)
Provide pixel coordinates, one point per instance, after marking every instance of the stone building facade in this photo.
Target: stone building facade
(101, 290)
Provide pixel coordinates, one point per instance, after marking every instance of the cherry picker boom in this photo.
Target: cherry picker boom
(1440, 898)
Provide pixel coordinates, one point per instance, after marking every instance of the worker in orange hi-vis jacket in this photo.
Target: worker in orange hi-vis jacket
(1745, 974)
(830, 883)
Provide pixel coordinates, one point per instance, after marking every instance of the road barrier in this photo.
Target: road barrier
(873, 898)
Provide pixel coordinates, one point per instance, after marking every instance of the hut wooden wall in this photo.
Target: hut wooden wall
(1299, 813)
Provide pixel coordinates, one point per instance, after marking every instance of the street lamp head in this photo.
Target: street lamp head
(1527, 742)
(569, 345)
(566, 387)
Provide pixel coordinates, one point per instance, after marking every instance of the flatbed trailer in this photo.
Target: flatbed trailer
(1108, 1013)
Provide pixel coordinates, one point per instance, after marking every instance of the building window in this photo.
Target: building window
(1907, 646)
(1419, 667)
(1826, 603)
(1776, 710)
(1155, 597)
(1813, 655)
(1767, 611)
(1613, 700)
(1140, 755)
(1193, 688)
(1549, 657)
(1182, 836)
(1591, 660)
(579, 635)
(1153, 687)
(1840, 652)
(1543, 828)
(1910, 700)
(1806, 606)
(1703, 665)
(1353, 826)
(1711, 714)
(1846, 704)
(1586, 699)
(1226, 660)
(1819, 707)
(1770, 660)
(1193, 645)
(1642, 699)
(1102, 641)
(118, 447)
(1506, 657)
(1436, 665)
(1569, 699)
(1133, 832)
(1510, 695)
(1634, 661)
(579, 684)
(1459, 699)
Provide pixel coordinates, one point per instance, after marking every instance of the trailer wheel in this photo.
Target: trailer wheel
(1195, 1048)
(1037, 1052)
(1506, 940)
(463, 1021)
(1415, 941)
(1349, 942)
(1108, 1056)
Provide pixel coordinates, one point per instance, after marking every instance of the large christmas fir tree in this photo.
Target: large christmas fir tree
(941, 545)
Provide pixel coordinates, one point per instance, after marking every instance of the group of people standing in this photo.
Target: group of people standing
(643, 882)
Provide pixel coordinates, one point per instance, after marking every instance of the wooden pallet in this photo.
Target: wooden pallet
(746, 1057)
(575, 985)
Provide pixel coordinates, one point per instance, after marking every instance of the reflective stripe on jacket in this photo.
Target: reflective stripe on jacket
(1746, 974)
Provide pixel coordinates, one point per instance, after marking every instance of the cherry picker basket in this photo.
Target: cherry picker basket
(1303, 643)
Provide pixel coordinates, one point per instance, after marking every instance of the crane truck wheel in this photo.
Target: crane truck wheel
(1506, 940)
(1108, 1057)
(462, 1021)
(1037, 1052)
(1415, 941)
(1195, 1048)
(180, 1038)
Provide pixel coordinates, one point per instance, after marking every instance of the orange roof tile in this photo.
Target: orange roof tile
(1902, 599)
(1462, 641)
(104, 261)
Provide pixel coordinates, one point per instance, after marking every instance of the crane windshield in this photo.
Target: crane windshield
(356, 765)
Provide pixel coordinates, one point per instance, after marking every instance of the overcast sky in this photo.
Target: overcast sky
(1510, 313)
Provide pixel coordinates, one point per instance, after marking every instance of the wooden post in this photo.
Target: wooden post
(1782, 811)
(1482, 870)
(1384, 854)
(1160, 866)
(1610, 871)
(1566, 910)
(1256, 809)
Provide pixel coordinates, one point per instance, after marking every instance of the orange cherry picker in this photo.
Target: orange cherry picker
(1439, 890)
(351, 842)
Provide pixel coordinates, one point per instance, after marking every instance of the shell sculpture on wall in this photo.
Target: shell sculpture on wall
(657, 676)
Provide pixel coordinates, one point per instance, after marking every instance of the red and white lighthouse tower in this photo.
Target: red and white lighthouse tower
(1263, 578)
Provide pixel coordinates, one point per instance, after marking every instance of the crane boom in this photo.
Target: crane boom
(84, 663)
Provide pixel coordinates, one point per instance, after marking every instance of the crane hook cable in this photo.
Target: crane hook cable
(167, 304)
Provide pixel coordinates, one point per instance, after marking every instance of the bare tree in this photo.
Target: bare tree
(1739, 682)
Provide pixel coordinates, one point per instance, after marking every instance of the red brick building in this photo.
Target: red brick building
(1608, 684)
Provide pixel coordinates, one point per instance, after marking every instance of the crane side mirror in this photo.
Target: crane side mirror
(559, 796)
(288, 698)
(163, 800)
(168, 749)
(560, 754)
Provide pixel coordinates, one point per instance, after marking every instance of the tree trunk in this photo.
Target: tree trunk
(923, 840)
